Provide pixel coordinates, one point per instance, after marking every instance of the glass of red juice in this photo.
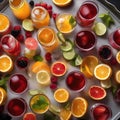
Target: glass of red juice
(114, 39)
(76, 81)
(85, 40)
(10, 45)
(87, 13)
(16, 107)
(100, 111)
(18, 83)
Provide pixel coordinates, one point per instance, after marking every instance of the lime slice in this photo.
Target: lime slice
(61, 37)
(72, 21)
(67, 46)
(100, 29)
(33, 92)
(27, 25)
(106, 84)
(78, 60)
(54, 109)
(69, 55)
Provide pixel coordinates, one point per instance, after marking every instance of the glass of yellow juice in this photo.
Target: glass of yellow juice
(40, 17)
(48, 38)
(5, 25)
(39, 103)
(20, 8)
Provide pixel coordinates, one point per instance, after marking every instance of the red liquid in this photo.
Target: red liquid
(16, 107)
(75, 81)
(18, 83)
(10, 45)
(116, 36)
(85, 40)
(101, 112)
(87, 13)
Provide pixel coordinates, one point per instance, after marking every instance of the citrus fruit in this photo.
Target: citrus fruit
(6, 63)
(88, 65)
(43, 77)
(97, 92)
(37, 66)
(106, 83)
(29, 116)
(58, 68)
(118, 57)
(102, 71)
(65, 114)
(100, 29)
(79, 107)
(117, 76)
(3, 96)
(61, 95)
(54, 109)
(61, 3)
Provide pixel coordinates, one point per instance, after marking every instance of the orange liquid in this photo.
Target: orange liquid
(20, 8)
(48, 39)
(40, 17)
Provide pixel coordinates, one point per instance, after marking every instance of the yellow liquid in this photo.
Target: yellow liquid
(20, 8)
(40, 17)
(48, 39)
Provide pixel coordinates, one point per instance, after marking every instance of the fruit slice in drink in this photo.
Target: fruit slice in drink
(3, 96)
(117, 76)
(29, 116)
(118, 57)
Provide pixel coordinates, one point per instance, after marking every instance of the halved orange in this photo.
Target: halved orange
(79, 107)
(61, 95)
(61, 3)
(118, 57)
(102, 72)
(117, 76)
(3, 96)
(6, 63)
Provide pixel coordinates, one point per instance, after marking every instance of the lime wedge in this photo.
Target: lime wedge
(67, 46)
(100, 29)
(28, 25)
(35, 91)
(61, 37)
(72, 21)
(78, 60)
(54, 109)
(106, 84)
(69, 55)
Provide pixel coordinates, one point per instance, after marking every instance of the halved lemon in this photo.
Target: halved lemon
(117, 76)
(3, 96)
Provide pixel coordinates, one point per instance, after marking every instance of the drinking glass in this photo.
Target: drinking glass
(20, 8)
(76, 81)
(10, 45)
(42, 107)
(16, 107)
(100, 111)
(5, 25)
(114, 39)
(48, 39)
(85, 40)
(18, 83)
(87, 13)
(40, 17)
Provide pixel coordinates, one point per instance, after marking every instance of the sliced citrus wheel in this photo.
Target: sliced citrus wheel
(6, 63)
(58, 68)
(3, 96)
(97, 92)
(106, 83)
(65, 114)
(102, 72)
(43, 77)
(54, 109)
(118, 57)
(61, 3)
(79, 107)
(61, 95)
(29, 116)
(117, 76)
(37, 66)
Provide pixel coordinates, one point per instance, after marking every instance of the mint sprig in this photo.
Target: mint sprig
(37, 58)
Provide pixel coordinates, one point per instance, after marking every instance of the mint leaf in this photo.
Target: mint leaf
(72, 21)
(37, 58)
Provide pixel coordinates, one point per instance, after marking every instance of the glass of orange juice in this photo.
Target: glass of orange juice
(48, 38)
(20, 8)
(5, 25)
(40, 17)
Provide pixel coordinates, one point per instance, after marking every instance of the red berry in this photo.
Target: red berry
(28, 34)
(54, 15)
(37, 4)
(17, 28)
(20, 38)
(50, 12)
(54, 79)
(49, 7)
(53, 86)
(48, 57)
(44, 5)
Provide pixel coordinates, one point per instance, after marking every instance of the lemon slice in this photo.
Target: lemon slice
(100, 29)
(43, 77)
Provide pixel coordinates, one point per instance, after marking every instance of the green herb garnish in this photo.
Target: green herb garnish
(37, 58)
(40, 104)
(72, 21)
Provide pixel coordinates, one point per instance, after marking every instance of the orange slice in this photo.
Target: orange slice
(61, 95)
(118, 57)
(117, 76)
(61, 3)
(102, 72)
(6, 63)
(79, 107)
(3, 96)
